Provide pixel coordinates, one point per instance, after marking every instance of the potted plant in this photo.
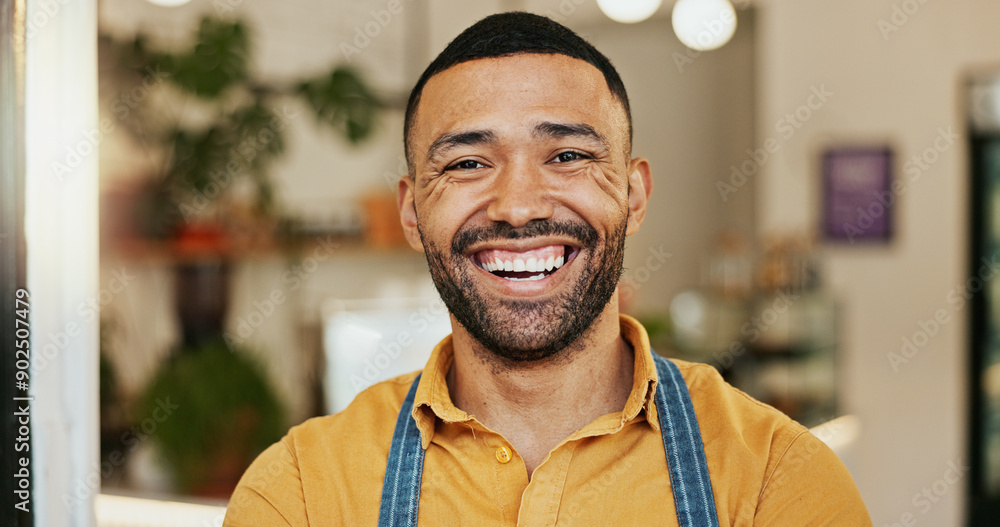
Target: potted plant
(214, 412)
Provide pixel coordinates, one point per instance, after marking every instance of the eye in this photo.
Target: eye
(465, 164)
(569, 157)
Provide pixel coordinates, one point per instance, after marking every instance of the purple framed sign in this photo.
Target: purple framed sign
(858, 194)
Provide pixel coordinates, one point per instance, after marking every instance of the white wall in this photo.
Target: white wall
(901, 89)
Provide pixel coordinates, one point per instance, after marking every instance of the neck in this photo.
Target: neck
(535, 405)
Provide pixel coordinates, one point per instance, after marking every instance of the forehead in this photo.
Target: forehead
(507, 93)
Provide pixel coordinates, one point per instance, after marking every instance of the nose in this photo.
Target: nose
(519, 195)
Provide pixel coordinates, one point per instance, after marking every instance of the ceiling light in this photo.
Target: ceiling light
(704, 24)
(169, 3)
(629, 11)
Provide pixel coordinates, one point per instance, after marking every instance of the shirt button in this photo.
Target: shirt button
(503, 454)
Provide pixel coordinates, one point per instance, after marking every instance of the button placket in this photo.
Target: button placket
(541, 499)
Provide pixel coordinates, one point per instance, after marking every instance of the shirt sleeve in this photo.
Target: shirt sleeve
(269, 493)
(809, 485)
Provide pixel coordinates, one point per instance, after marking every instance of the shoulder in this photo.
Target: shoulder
(763, 464)
(725, 410)
(330, 465)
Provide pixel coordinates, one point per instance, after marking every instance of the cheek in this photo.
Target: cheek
(457, 199)
(440, 215)
(612, 184)
(596, 193)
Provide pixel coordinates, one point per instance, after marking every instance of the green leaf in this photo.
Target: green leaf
(218, 59)
(343, 101)
(219, 402)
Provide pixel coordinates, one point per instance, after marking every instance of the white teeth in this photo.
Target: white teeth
(530, 265)
(533, 277)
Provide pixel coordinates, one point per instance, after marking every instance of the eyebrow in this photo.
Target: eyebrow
(450, 140)
(552, 130)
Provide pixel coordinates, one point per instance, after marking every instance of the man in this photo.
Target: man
(545, 406)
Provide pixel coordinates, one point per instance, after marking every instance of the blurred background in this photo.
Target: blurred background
(823, 228)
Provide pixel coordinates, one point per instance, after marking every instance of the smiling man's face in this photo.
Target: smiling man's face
(520, 196)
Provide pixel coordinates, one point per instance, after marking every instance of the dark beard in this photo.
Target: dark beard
(527, 330)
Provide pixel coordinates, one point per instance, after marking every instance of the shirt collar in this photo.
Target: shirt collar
(433, 402)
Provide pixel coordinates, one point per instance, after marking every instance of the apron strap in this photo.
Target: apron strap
(403, 472)
(692, 488)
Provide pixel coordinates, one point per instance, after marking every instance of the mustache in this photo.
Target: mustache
(580, 231)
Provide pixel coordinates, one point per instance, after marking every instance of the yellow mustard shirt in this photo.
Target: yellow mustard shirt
(765, 468)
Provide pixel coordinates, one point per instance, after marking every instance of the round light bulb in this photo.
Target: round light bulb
(169, 3)
(704, 24)
(688, 311)
(629, 11)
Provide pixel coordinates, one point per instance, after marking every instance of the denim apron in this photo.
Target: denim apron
(685, 453)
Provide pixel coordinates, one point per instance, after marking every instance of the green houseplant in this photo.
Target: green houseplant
(215, 122)
(214, 412)
(215, 129)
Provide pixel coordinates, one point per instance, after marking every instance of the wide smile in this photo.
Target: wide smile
(527, 261)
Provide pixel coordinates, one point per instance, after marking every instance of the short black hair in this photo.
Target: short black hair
(514, 33)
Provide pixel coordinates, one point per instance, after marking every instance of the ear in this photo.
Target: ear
(640, 181)
(408, 212)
